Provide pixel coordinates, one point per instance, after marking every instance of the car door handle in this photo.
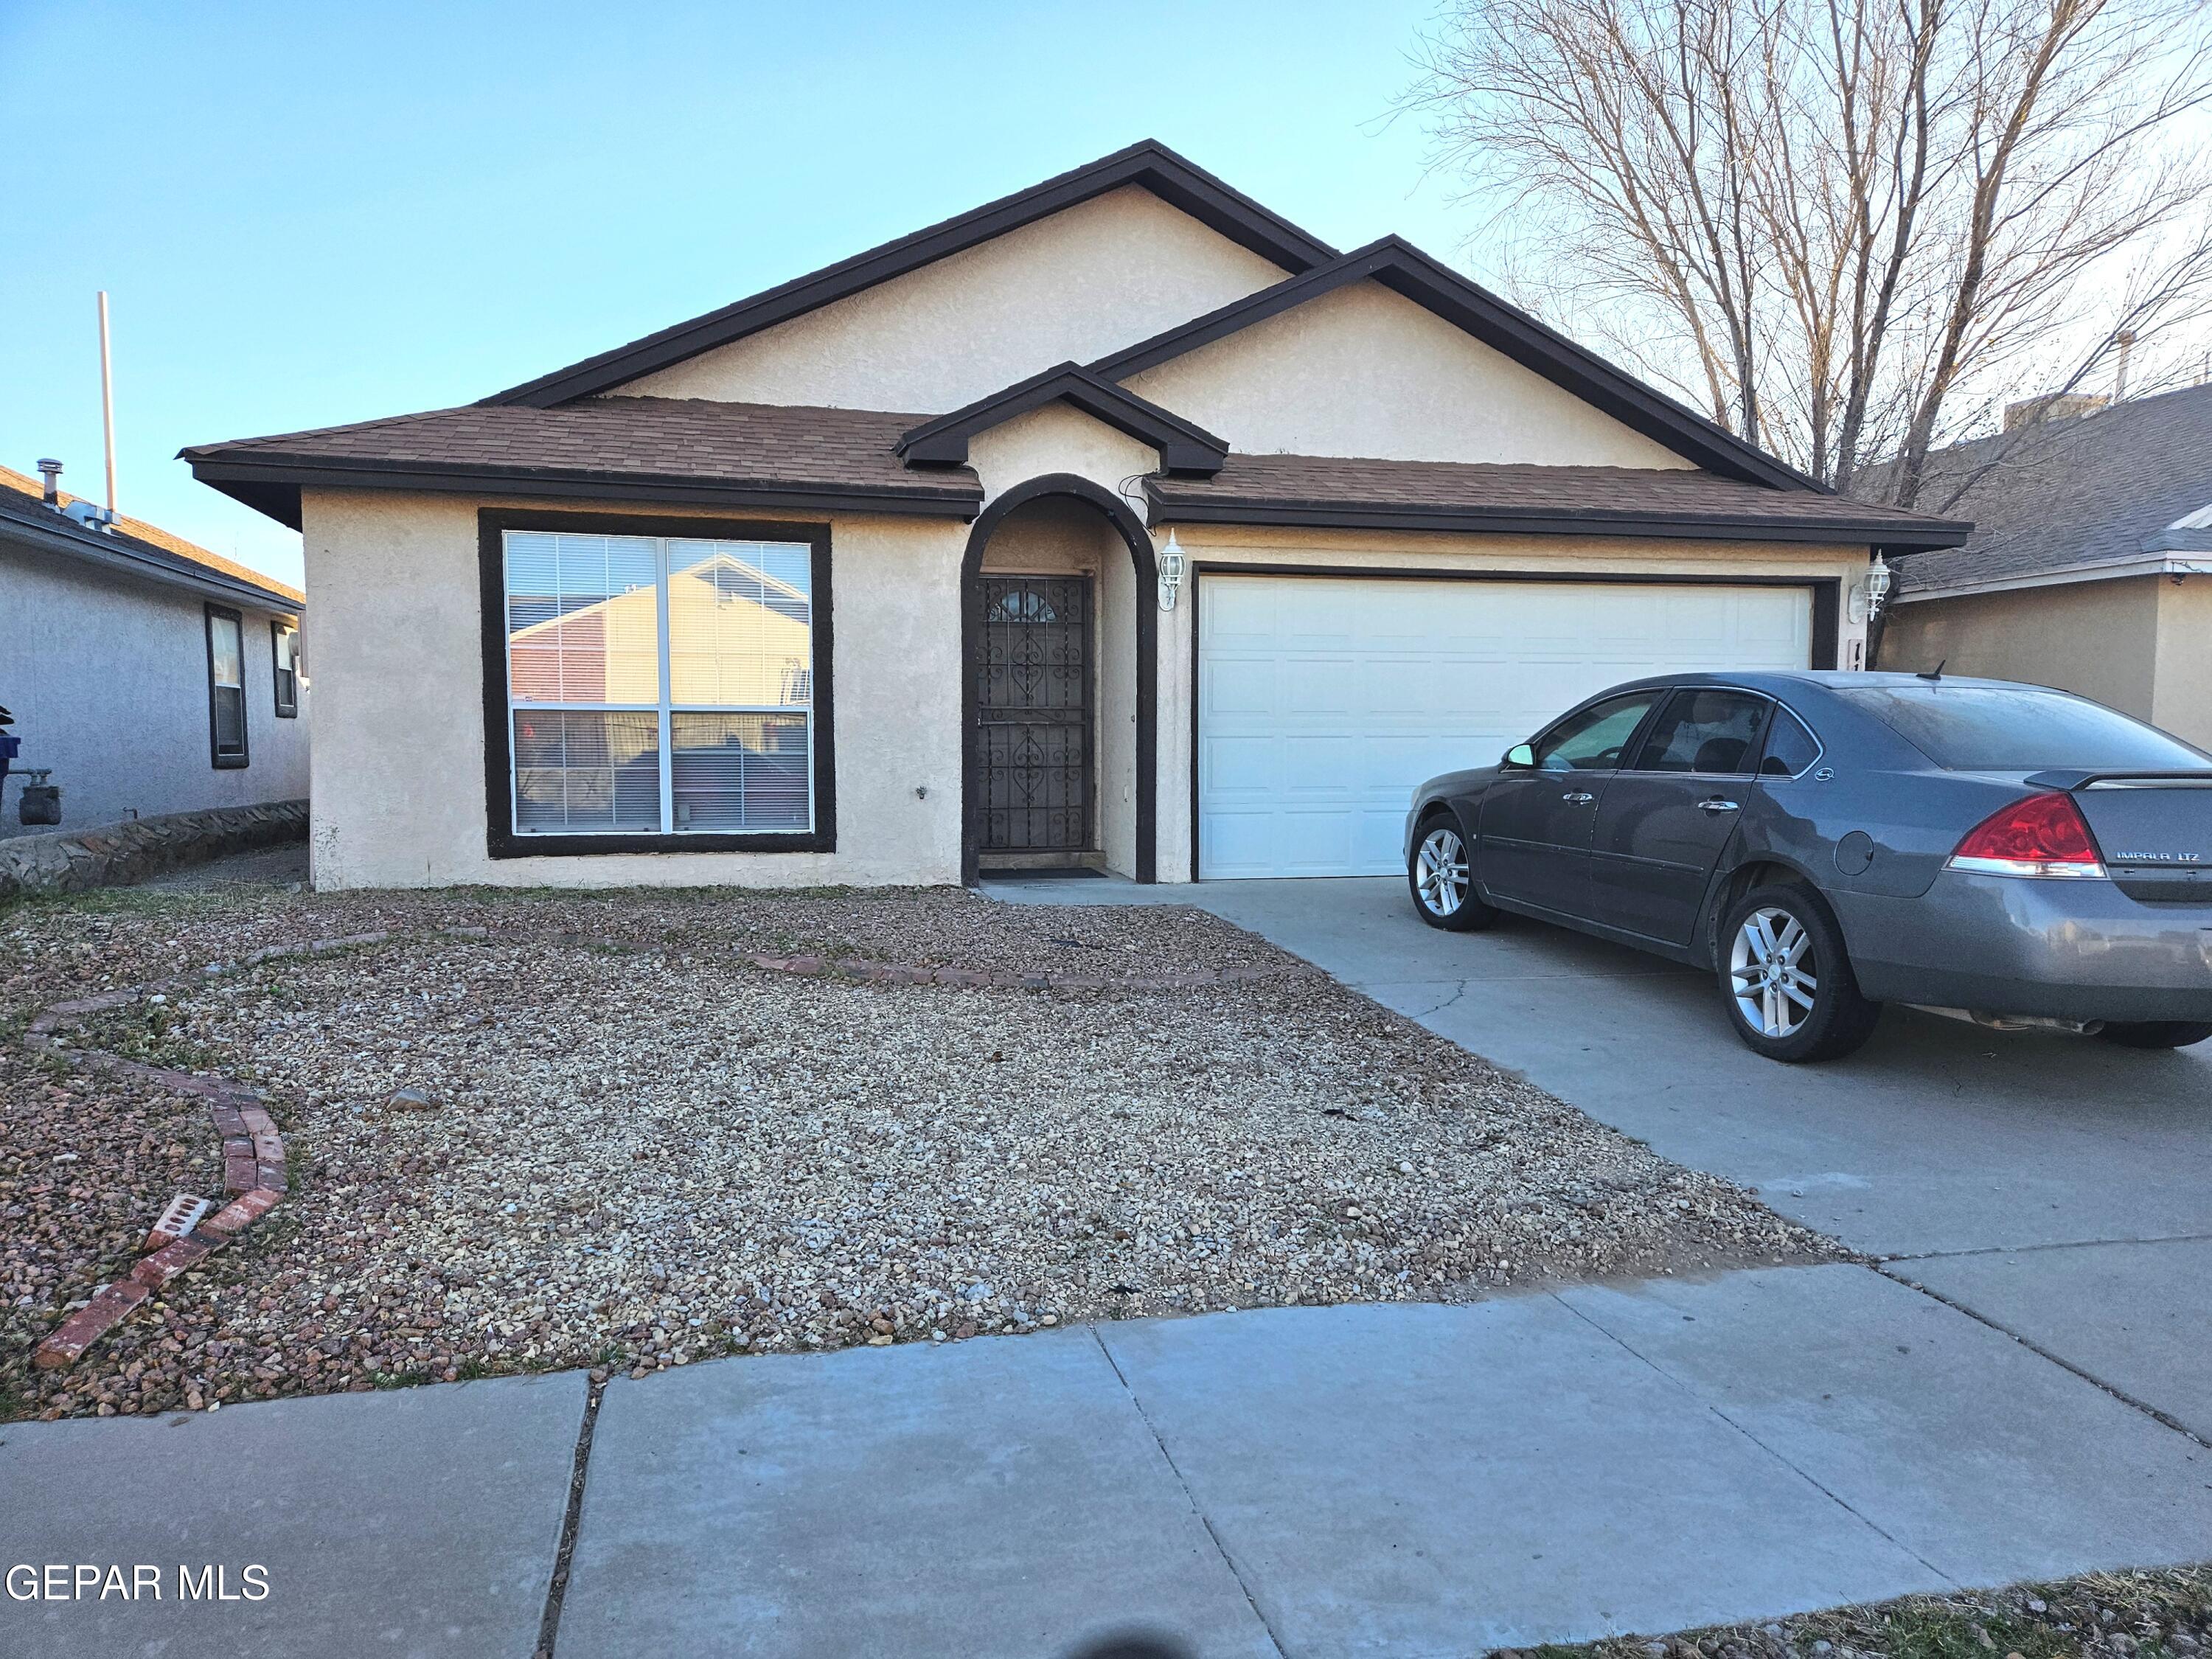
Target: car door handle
(1580, 798)
(1716, 804)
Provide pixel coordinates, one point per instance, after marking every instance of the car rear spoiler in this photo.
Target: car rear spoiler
(2076, 777)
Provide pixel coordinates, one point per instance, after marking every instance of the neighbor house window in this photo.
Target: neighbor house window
(284, 652)
(226, 651)
(659, 684)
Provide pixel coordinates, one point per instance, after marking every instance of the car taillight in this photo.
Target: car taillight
(2042, 835)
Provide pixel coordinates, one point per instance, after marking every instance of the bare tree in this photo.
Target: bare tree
(1842, 227)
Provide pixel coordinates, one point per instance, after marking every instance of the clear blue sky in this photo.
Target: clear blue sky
(307, 214)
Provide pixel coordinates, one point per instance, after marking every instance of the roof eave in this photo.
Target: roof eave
(124, 559)
(1167, 508)
(1186, 449)
(268, 480)
(2064, 576)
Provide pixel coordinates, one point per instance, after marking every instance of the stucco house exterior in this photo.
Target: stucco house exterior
(2090, 566)
(1119, 522)
(147, 675)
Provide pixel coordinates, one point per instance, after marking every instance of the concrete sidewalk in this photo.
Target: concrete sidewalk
(1403, 1479)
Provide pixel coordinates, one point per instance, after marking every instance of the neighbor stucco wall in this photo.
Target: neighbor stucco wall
(2182, 700)
(1364, 372)
(2099, 638)
(107, 678)
(1224, 544)
(398, 762)
(1077, 284)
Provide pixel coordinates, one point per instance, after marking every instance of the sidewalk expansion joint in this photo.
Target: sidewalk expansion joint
(1189, 1497)
(2162, 1419)
(2054, 1245)
(1802, 1474)
(556, 1587)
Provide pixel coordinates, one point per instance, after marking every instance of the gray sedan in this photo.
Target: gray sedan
(1827, 842)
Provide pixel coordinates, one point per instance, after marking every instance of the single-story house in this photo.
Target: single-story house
(146, 675)
(2090, 567)
(1119, 522)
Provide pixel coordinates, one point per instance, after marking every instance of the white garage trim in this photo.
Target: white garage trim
(1315, 688)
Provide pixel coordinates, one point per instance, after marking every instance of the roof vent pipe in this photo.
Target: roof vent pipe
(2125, 339)
(51, 471)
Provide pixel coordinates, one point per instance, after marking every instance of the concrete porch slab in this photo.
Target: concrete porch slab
(421, 1522)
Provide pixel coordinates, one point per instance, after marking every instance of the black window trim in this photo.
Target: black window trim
(216, 758)
(278, 628)
(1755, 751)
(500, 839)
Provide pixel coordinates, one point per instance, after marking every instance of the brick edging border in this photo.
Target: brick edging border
(254, 1177)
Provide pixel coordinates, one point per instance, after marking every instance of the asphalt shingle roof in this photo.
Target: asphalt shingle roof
(1388, 491)
(2094, 490)
(22, 499)
(744, 445)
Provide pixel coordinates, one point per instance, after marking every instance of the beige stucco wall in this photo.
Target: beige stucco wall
(398, 754)
(1362, 371)
(2182, 700)
(1083, 281)
(2099, 638)
(1059, 437)
(1222, 544)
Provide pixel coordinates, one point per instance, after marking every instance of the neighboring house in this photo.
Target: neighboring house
(148, 675)
(1156, 535)
(2090, 567)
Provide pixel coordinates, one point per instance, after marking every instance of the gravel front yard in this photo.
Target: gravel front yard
(642, 1150)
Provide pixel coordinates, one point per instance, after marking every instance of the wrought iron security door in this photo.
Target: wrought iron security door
(1033, 685)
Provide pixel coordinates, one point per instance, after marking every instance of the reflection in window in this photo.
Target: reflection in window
(660, 685)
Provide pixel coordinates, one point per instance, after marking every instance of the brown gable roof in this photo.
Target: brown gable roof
(152, 535)
(1372, 495)
(786, 457)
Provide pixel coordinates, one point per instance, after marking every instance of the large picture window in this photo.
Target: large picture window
(659, 686)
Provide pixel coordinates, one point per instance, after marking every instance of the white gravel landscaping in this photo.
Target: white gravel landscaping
(633, 1148)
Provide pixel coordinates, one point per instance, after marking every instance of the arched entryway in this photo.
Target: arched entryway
(1042, 580)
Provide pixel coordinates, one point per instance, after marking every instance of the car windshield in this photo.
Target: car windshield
(2018, 728)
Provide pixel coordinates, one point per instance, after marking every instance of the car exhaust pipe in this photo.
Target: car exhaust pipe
(2015, 1022)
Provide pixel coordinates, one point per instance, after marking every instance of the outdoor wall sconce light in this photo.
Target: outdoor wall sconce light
(1872, 590)
(1172, 565)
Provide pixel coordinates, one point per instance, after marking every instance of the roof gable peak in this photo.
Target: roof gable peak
(1148, 163)
(1186, 449)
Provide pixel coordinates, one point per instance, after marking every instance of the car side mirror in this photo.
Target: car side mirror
(1520, 755)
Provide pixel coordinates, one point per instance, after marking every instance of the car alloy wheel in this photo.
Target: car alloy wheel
(1441, 872)
(1771, 973)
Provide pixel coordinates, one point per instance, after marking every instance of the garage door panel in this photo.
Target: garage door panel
(1324, 700)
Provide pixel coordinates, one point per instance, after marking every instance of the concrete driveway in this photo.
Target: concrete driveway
(2057, 1188)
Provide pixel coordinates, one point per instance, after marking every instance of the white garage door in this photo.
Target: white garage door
(1323, 700)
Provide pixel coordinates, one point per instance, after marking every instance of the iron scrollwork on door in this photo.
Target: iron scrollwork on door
(1033, 685)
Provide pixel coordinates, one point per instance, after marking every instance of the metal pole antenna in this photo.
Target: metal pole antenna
(107, 400)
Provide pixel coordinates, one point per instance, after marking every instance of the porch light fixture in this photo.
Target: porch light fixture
(1872, 590)
(1172, 565)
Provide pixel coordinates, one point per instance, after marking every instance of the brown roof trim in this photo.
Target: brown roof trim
(1185, 448)
(1404, 269)
(1843, 526)
(1148, 163)
(271, 484)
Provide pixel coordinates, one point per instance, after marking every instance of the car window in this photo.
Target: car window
(2020, 728)
(1705, 731)
(1591, 741)
(1790, 747)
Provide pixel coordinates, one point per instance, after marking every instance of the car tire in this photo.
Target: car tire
(1439, 876)
(1788, 982)
(2157, 1033)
